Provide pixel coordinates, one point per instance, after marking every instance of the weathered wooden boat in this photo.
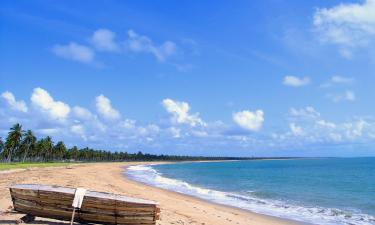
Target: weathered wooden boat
(97, 207)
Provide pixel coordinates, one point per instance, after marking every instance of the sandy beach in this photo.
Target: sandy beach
(108, 177)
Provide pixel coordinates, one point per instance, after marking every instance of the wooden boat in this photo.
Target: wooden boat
(97, 207)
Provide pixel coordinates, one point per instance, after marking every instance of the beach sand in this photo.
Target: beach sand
(109, 177)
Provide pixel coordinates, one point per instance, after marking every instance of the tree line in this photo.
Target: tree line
(23, 146)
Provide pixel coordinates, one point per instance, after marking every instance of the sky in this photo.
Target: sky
(213, 78)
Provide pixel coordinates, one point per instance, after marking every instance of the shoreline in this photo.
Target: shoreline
(288, 221)
(176, 208)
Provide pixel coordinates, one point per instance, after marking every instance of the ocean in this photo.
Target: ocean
(318, 191)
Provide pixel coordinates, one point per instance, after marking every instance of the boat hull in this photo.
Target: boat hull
(97, 207)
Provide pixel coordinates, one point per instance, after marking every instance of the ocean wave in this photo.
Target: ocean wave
(316, 215)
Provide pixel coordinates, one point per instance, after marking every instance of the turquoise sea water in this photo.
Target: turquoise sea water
(319, 191)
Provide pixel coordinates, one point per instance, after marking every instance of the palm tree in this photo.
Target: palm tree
(38, 151)
(59, 150)
(28, 140)
(74, 153)
(13, 140)
(48, 147)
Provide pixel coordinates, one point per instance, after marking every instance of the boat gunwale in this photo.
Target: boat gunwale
(93, 194)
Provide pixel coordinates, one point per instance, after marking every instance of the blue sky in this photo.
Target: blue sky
(262, 78)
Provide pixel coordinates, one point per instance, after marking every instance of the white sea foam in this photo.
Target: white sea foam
(315, 215)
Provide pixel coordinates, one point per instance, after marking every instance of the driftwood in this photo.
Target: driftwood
(56, 203)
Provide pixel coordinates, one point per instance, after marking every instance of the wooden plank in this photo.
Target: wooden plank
(132, 218)
(29, 207)
(43, 212)
(138, 221)
(134, 213)
(97, 218)
(24, 192)
(42, 199)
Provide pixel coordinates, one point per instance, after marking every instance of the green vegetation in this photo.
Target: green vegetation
(23, 146)
(8, 166)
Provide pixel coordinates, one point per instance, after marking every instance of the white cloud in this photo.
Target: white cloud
(296, 81)
(139, 43)
(78, 129)
(13, 103)
(325, 124)
(249, 120)
(355, 129)
(347, 25)
(82, 113)
(307, 112)
(128, 128)
(43, 101)
(337, 80)
(346, 96)
(48, 131)
(175, 132)
(104, 40)
(148, 130)
(75, 52)
(305, 128)
(105, 109)
(312, 129)
(340, 79)
(335, 137)
(296, 130)
(180, 113)
(199, 133)
(128, 124)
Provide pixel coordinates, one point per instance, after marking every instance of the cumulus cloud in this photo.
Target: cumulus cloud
(341, 79)
(48, 131)
(248, 120)
(296, 130)
(200, 133)
(149, 130)
(105, 109)
(325, 124)
(74, 51)
(128, 124)
(313, 129)
(78, 129)
(306, 112)
(347, 25)
(337, 80)
(180, 113)
(140, 43)
(104, 40)
(82, 113)
(13, 103)
(355, 129)
(294, 81)
(305, 127)
(346, 96)
(77, 125)
(44, 102)
(175, 132)
(82, 127)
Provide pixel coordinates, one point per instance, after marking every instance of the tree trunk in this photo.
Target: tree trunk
(24, 156)
(10, 155)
